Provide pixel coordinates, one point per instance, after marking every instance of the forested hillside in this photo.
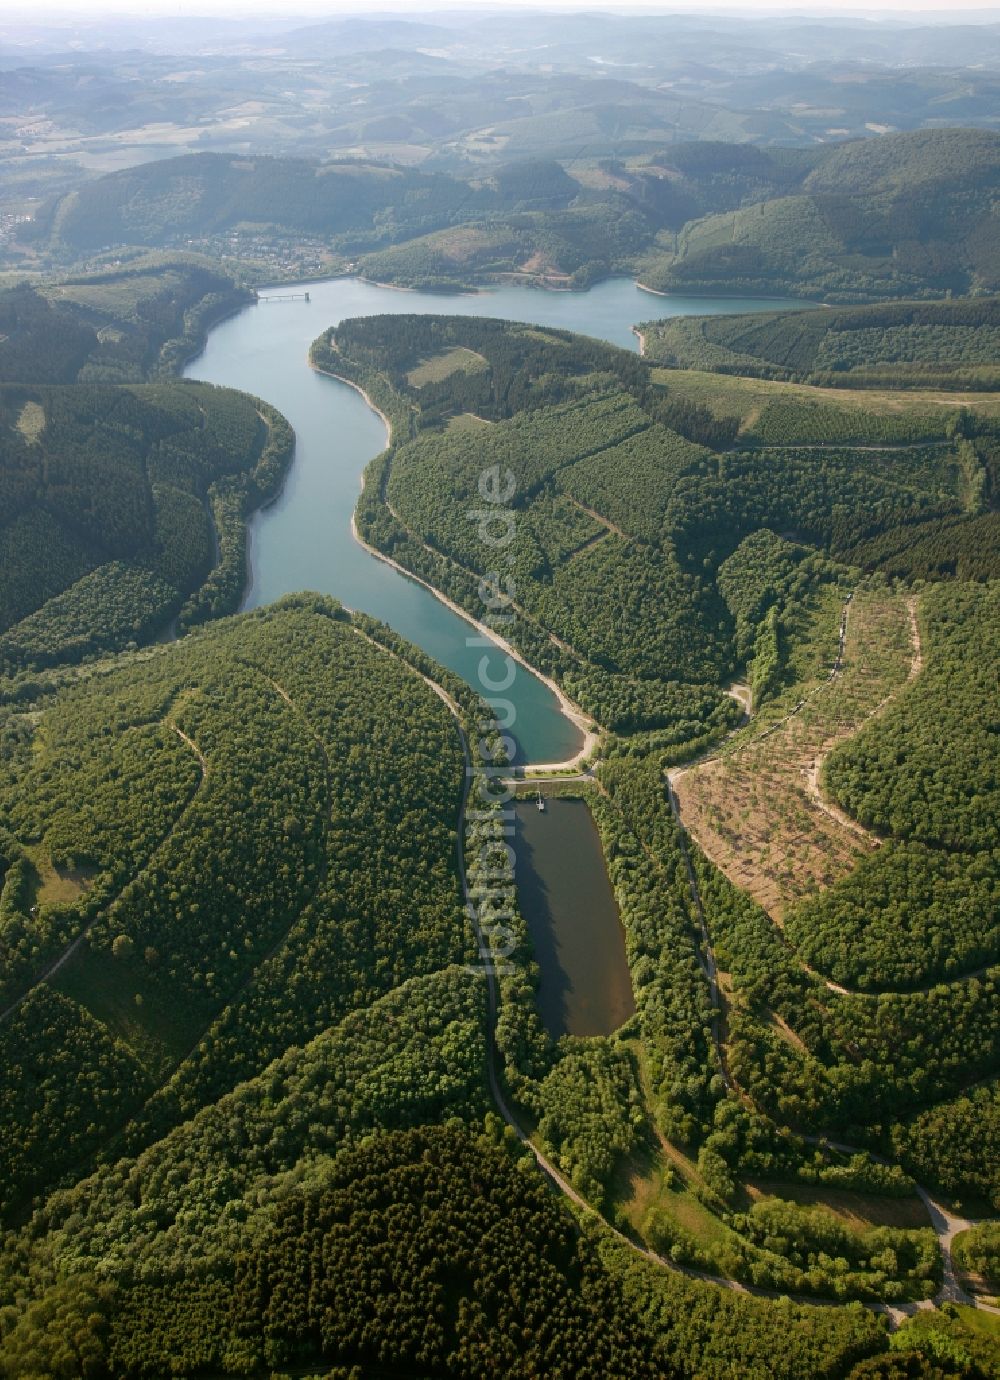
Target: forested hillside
(917, 345)
(266, 739)
(926, 905)
(453, 1232)
(527, 217)
(255, 1071)
(941, 354)
(120, 326)
(282, 1074)
(906, 214)
(343, 1035)
(646, 568)
(628, 499)
(203, 193)
(123, 503)
(246, 1063)
(122, 506)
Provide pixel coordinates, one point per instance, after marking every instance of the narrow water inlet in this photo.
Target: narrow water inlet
(572, 916)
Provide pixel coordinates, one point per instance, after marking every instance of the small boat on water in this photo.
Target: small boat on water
(541, 803)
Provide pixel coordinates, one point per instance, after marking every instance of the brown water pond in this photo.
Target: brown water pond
(573, 919)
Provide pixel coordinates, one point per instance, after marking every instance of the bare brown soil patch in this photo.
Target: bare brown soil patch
(757, 809)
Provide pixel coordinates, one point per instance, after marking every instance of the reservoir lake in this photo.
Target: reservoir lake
(303, 541)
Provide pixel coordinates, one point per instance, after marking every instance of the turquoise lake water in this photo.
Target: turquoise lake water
(303, 541)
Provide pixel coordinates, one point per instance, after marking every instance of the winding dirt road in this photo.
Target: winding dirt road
(57, 964)
(945, 1226)
(814, 773)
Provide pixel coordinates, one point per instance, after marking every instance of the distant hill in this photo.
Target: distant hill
(907, 214)
(544, 217)
(902, 215)
(162, 202)
(337, 36)
(165, 201)
(553, 226)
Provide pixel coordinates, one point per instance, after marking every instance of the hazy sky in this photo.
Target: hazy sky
(41, 9)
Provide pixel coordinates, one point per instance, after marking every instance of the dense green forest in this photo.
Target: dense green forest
(610, 473)
(113, 500)
(118, 326)
(250, 1121)
(124, 502)
(873, 218)
(436, 1250)
(901, 215)
(342, 927)
(907, 344)
(261, 724)
(624, 500)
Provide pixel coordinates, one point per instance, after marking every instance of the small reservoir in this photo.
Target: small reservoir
(572, 916)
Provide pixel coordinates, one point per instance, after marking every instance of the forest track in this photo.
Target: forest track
(814, 772)
(586, 546)
(282, 938)
(728, 840)
(599, 518)
(947, 1225)
(810, 775)
(190, 742)
(74, 946)
(950, 1228)
(737, 692)
(901, 446)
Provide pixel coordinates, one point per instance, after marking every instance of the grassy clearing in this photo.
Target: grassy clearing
(655, 1179)
(31, 422)
(662, 1179)
(858, 1211)
(56, 886)
(466, 421)
(439, 367)
(154, 1030)
(751, 809)
(976, 1320)
(119, 297)
(727, 395)
(547, 336)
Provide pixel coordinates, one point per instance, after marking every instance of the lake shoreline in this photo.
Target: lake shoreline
(570, 711)
(296, 541)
